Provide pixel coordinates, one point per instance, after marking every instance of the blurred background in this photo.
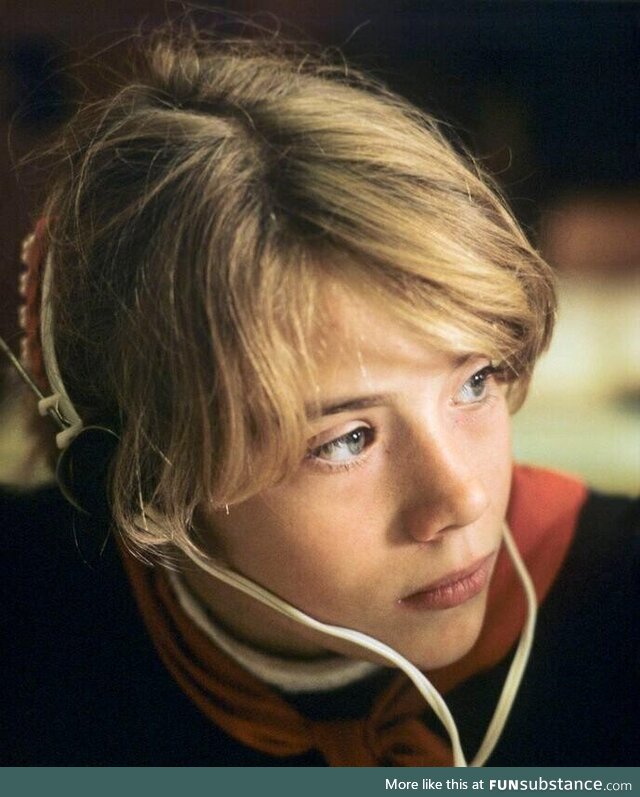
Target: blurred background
(546, 94)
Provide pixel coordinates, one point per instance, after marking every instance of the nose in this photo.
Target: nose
(446, 490)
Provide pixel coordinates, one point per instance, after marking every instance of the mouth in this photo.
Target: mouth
(454, 589)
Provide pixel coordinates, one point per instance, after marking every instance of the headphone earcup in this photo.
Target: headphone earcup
(83, 468)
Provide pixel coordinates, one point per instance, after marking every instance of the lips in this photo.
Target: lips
(454, 589)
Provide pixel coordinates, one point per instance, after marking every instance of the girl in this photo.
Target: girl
(288, 323)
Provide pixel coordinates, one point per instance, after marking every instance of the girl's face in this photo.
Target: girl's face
(392, 522)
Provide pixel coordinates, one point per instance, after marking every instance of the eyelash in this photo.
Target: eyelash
(367, 432)
(477, 380)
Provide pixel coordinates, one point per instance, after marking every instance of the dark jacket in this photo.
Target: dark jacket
(82, 684)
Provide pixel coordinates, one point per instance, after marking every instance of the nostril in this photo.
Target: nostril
(429, 518)
(423, 525)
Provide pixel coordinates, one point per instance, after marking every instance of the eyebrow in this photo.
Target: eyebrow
(347, 405)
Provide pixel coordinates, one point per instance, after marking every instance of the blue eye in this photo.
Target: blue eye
(345, 448)
(474, 389)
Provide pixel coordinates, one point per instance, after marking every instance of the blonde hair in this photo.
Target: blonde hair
(196, 220)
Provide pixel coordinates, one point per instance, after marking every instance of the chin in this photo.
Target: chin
(437, 648)
(442, 658)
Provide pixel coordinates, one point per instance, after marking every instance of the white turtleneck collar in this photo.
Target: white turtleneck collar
(287, 674)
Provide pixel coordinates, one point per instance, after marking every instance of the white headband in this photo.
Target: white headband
(58, 400)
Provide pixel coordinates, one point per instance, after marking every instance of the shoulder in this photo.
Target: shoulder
(602, 568)
(61, 581)
(66, 627)
(606, 518)
(82, 684)
(47, 548)
(585, 661)
(597, 537)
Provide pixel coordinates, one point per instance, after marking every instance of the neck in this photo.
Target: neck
(287, 673)
(248, 621)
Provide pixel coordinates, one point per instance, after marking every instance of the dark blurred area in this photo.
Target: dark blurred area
(545, 94)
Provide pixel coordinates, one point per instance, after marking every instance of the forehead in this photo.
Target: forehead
(359, 343)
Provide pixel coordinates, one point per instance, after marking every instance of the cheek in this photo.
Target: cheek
(495, 456)
(301, 542)
(483, 442)
(332, 514)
